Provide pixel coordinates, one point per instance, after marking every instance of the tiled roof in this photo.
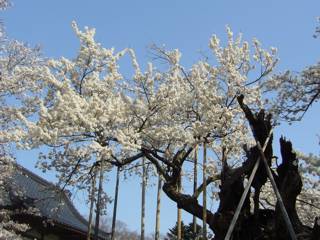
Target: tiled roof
(50, 200)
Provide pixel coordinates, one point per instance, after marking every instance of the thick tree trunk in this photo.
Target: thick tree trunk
(290, 184)
(316, 229)
(115, 205)
(187, 203)
(179, 217)
(264, 224)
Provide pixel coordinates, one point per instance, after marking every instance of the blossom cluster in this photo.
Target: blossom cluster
(88, 112)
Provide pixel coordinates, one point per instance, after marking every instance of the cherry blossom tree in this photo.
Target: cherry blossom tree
(13, 88)
(297, 92)
(90, 115)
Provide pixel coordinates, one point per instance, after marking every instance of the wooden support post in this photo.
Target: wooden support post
(279, 198)
(115, 206)
(143, 198)
(245, 192)
(204, 193)
(92, 202)
(99, 202)
(157, 230)
(195, 186)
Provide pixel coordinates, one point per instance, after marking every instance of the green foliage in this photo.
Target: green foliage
(186, 232)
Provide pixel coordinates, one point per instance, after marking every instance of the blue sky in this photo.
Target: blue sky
(187, 25)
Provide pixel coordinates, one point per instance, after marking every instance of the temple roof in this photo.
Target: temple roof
(52, 202)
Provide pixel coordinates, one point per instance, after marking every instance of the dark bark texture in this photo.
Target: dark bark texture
(259, 224)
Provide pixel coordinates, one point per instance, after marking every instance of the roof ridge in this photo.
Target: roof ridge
(63, 197)
(50, 184)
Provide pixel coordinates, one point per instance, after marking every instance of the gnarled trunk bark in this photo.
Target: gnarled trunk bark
(263, 224)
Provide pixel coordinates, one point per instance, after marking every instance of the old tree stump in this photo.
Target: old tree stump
(257, 223)
(261, 223)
